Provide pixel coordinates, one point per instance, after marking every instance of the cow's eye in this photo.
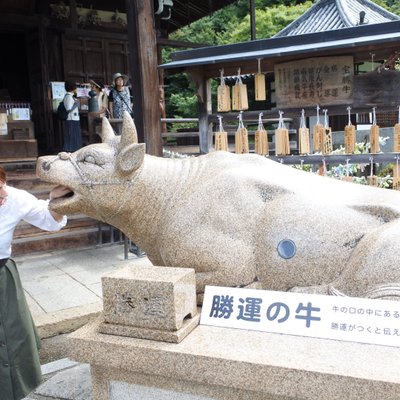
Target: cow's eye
(89, 159)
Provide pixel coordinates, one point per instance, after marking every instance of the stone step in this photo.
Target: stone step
(61, 240)
(23, 229)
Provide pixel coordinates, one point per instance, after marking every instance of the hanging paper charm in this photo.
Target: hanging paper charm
(318, 131)
(396, 144)
(241, 137)
(221, 137)
(282, 146)
(259, 83)
(223, 95)
(261, 138)
(349, 135)
(304, 135)
(326, 145)
(374, 134)
(239, 95)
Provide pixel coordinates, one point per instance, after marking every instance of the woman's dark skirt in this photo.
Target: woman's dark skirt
(19, 342)
(72, 136)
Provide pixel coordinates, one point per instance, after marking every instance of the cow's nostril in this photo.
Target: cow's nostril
(46, 166)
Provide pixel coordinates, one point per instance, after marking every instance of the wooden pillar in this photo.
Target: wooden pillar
(143, 63)
(204, 105)
(73, 14)
(253, 20)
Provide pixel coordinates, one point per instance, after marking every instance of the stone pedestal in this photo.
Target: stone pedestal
(156, 303)
(232, 364)
(213, 363)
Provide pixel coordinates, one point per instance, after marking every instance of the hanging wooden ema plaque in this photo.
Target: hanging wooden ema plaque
(261, 138)
(223, 95)
(349, 135)
(396, 136)
(304, 135)
(318, 131)
(372, 179)
(241, 137)
(221, 137)
(396, 175)
(374, 133)
(326, 146)
(347, 177)
(259, 84)
(239, 95)
(282, 146)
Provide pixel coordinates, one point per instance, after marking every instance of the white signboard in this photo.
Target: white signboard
(341, 318)
(20, 114)
(58, 90)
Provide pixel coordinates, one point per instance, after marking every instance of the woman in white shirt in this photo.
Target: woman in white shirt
(72, 132)
(19, 342)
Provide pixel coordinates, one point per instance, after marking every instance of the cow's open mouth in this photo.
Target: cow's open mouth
(63, 198)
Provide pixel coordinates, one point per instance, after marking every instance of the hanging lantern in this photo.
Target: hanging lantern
(326, 143)
(241, 137)
(239, 95)
(349, 136)
(259, 84)
(318, 132)
(396, 137)
(221, 137)
(223, 95)
(261, 139)
(374, 134)
(282, 146)
(304, 135)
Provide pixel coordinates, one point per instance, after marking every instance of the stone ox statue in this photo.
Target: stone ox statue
(225, 214)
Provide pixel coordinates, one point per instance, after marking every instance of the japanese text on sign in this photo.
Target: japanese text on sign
(340, 318)
(320, 80)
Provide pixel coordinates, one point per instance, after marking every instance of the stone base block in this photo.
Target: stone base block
(214, 363)
(152, 334)
(158, 298)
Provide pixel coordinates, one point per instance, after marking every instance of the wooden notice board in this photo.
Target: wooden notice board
(312, 81)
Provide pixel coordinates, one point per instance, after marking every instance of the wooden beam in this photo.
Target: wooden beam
(19, 22)
(180, 43)
(143, 70)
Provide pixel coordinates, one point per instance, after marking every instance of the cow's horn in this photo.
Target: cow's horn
(129, 133)
(107, 132)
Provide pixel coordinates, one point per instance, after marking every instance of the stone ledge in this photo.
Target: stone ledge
(278, 366)
(66, 321)
(152, 334)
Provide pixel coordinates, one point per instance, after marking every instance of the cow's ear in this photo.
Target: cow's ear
(131, 158)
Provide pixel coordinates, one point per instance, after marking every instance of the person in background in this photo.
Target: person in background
(19, 341)
(72, 132)
(119, 98)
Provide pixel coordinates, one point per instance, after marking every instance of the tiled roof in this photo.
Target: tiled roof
(327, 15)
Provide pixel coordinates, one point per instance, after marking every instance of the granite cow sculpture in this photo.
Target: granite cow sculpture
(225, 214)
